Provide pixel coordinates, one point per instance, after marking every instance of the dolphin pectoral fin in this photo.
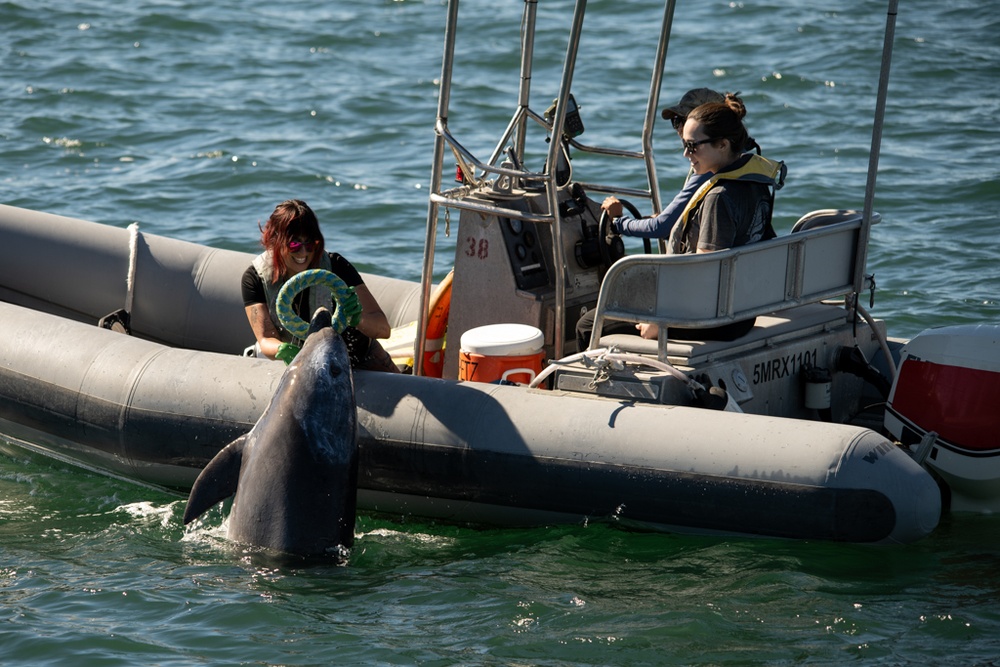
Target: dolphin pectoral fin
(217, 480)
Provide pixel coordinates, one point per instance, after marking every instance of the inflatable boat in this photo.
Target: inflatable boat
(123, 353)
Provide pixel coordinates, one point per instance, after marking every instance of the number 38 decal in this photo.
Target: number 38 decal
(477, 248)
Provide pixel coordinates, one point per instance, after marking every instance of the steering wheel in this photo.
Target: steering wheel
(611, 246)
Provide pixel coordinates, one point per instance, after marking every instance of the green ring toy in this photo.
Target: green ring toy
(294, 324)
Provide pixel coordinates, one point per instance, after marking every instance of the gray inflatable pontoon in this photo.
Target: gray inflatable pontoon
(156, 406)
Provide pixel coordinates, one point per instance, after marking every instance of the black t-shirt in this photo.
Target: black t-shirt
(358, 344)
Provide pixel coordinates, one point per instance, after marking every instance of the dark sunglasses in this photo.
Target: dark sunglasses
(295, 246)
(692, 146)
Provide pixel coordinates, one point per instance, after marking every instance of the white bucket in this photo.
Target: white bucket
(501, 352)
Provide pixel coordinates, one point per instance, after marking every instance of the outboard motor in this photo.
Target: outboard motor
(948, 384)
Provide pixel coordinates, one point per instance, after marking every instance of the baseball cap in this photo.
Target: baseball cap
(692, 98)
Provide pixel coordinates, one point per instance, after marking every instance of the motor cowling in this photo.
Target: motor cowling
(948, 382)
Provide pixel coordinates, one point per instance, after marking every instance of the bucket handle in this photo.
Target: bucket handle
(515, 371)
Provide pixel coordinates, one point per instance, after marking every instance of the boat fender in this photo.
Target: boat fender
(310, 278)
(437, 325)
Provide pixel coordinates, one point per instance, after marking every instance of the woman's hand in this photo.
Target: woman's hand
(648, 331)
(612, 206)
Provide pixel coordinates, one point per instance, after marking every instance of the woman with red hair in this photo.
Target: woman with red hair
(293, 243)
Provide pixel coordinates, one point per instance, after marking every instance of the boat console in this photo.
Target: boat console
(504, 267)
(531, 249)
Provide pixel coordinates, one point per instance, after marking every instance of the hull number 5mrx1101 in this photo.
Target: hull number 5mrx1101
(782, 367)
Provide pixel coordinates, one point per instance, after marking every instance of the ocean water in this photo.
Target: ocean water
(194, 119)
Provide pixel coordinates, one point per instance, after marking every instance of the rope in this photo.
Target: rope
(294, 324)
(602, 356)
(133, 251)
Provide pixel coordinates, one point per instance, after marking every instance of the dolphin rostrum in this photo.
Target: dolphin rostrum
(294, 475)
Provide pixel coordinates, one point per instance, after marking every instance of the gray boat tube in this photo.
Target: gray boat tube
(466, 452)
(500, 454)
(155, 407)
(178, 293)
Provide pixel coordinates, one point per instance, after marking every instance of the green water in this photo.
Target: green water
(97, 571)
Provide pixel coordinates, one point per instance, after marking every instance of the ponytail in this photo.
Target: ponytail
(724, 120)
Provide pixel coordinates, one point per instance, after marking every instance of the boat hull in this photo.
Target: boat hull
(465, 451)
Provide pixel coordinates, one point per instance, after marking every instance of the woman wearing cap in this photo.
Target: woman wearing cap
(659, 226)
(729, 204)
(293, 243)
(733, 206)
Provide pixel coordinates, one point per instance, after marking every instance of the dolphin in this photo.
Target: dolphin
(295, 474)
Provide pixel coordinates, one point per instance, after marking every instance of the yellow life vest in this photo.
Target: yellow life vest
(756, 169)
